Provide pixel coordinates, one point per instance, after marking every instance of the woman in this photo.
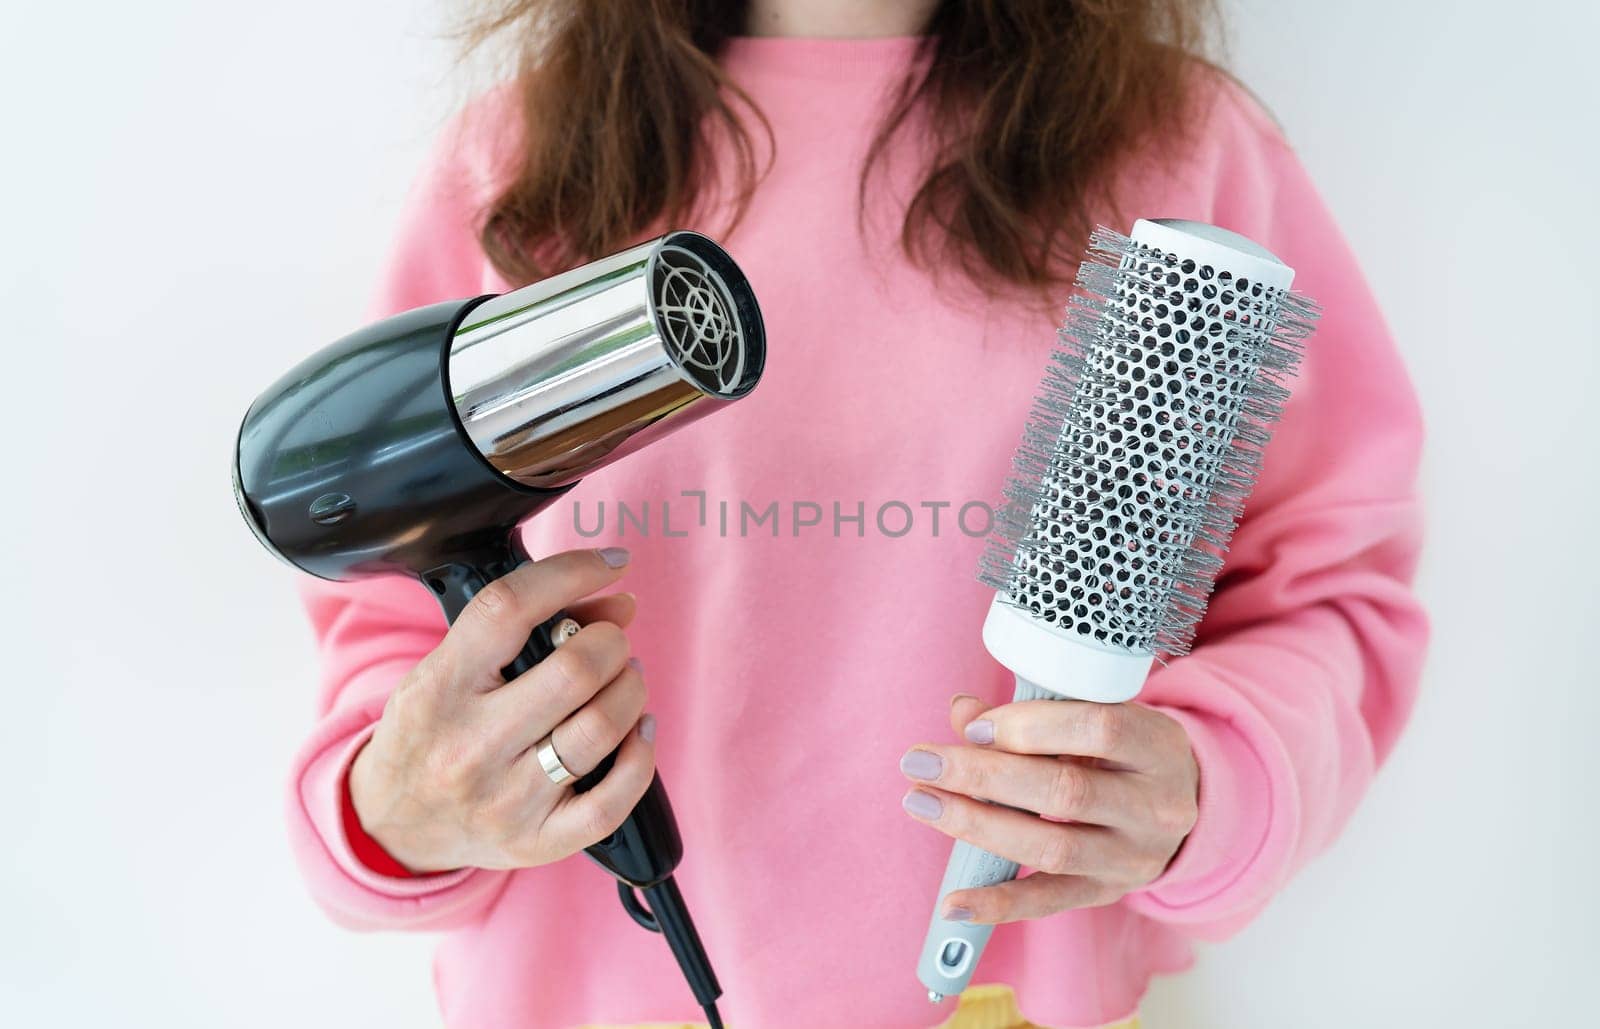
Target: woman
(907, 185)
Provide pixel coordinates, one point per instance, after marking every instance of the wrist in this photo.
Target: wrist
(1233, 812)
(379, 838)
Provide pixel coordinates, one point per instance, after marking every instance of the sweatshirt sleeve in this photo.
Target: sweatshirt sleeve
(371, 633)
(1307, 662)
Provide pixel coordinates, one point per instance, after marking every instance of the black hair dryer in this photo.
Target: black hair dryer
(417, 444)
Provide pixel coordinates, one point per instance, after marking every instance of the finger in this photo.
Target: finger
(1050, 786)
(1123, 733)
(964, 708)
(585, 818)
(594, 730)
(1032, 896)
(1017, 835)
(616, 608)
(526, 709)
(494, 626)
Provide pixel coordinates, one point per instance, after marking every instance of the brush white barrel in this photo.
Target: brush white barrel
(1063, 666)
(1182, 338)
(1208, 244)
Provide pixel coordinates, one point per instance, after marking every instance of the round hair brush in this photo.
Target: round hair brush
(1144, 440)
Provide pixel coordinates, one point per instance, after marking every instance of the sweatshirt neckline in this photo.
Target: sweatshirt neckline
(822, 58)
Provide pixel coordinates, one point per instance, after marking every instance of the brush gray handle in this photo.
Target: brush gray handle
(951, 950)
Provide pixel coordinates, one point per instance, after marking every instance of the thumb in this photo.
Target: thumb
(964, 707)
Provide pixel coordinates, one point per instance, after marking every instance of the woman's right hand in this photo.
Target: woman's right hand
(450, 777)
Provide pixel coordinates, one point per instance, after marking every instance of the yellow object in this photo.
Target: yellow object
(978, 1007)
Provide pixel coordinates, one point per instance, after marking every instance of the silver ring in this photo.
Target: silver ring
(550, 761)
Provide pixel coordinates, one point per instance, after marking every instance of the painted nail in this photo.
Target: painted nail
(635, 664)
(958, 915)
(647, 728)
(922, 764)
(614, 557)
(981, 731)
(923, 805)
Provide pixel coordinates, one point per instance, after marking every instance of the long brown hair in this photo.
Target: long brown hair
(1034, 104)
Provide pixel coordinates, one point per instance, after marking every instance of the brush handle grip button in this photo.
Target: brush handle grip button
(954, 957)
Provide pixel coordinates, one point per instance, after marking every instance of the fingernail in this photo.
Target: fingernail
(922, 764)
(960, 697)
(981, 731)
(647, 728)
(635, 664)
(922, 805)
(958, 915)
(614, 557)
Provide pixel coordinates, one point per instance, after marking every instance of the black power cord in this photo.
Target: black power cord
(635, 907)
(662, 911)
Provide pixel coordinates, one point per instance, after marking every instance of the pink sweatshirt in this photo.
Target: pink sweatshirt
(791, 664)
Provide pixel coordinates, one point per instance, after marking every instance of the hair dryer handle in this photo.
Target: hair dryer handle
(646, 848)
(457, 581)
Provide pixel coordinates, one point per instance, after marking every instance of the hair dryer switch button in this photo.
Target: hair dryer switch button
(332, 508)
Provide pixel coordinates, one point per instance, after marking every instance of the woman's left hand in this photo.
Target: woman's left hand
(1097, 798)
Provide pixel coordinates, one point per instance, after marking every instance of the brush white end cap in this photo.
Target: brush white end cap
(1064, 664)
(1208, 244)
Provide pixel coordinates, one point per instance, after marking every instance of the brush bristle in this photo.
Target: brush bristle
(1143, 443)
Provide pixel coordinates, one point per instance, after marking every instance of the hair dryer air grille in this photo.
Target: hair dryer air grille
(698, 322)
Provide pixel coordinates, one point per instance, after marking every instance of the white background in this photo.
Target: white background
(196, 194)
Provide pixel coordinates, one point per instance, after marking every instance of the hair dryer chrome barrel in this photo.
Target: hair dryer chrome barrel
(556, 379)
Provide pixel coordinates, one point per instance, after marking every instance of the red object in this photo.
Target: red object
(367, 850)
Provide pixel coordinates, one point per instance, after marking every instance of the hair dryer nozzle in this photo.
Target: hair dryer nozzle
(556, 379)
